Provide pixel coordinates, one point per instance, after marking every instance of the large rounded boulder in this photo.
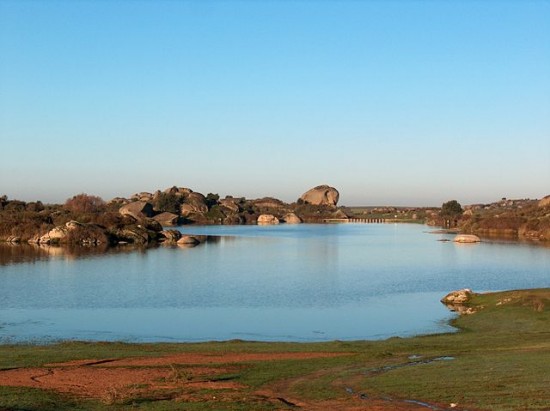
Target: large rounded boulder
(291, 218)
(323, 195)
(194, 203)
(267, 219)
(137, 209)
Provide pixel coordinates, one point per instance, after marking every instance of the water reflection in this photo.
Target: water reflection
(28, 253)
(25, 253)
(21, 253)
(296, 283)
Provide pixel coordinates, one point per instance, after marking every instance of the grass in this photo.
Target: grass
(501, 358)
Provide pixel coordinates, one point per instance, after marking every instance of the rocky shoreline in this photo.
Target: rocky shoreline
(144, 217)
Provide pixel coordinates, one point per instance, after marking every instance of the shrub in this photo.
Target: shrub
(84, 203)
(35, 206)
(212, 199)
(167, 202)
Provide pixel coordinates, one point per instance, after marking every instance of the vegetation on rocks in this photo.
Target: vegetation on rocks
(87, 219)
(523, 219)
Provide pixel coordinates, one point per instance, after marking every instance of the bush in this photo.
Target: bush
(84, 203)
(212, 199)
(501, 223)
(36, 206)
(167, 202)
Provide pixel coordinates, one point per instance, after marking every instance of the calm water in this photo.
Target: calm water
(287, 282)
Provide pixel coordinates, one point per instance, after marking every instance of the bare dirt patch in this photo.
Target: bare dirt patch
(195, 359)
(180, 377)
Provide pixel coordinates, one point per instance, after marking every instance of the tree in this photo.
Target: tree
(451, 212)
(84, 203)
(212, 199)
(451, 208)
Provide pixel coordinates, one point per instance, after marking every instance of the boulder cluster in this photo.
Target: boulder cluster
(180, 205)
(146, 217)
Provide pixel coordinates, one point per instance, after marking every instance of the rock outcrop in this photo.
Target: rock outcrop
(230, 205)
(74, 232)
(136, 234)
(457, 301)
(458, 296)
(167, 219)
(291, 218)
(140, 218)
(321, 195)
(59, 234)
(137, 209)
(55, 235)
(171, 236)
(194, 203)
(267, 219)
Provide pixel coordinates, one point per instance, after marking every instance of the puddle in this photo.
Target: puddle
(424, 404)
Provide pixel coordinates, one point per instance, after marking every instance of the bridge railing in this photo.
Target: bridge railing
(356, 220)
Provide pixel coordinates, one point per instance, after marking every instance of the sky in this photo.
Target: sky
(391, 102)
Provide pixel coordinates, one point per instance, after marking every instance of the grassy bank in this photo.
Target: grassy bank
(498, 361)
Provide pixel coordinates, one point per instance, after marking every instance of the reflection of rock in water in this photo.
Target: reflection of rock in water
(20, 253)
(192, 240)
(13, 253)
(25, 253)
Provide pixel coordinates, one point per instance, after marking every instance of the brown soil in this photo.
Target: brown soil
(199, 358)
(185, 377)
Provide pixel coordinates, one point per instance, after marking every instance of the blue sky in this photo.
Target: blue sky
(391, 102)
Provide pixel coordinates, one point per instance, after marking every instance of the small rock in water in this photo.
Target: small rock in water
(457, 300)
(458, 296)
(467, 238)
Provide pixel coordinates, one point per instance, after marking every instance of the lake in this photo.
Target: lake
(268, 283)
